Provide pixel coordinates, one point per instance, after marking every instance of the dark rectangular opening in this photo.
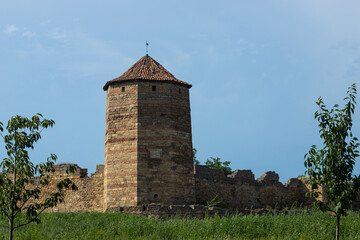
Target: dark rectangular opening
(123, 89)
(154, 88)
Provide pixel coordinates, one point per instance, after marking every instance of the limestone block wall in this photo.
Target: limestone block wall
(237, 191)
(121, 146)
(90, 194)
(241, 190)
(165, 165)
(148, 144)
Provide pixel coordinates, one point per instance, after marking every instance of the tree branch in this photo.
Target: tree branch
(31, 220)
(21, 207)
(5, 213)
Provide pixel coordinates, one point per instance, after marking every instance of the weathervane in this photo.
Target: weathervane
(147, 44)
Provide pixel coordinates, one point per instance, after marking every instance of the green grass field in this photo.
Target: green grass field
(116, 226)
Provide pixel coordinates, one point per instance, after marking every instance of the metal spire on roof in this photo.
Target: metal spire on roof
(147, 44)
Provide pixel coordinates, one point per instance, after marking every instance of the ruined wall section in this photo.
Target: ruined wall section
(241, 190)
(90, 194)
(165, 165)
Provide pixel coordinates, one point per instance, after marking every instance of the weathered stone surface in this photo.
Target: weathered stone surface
(269, 178)
(237, 191)
(148, 158)
(148, 146)
(164, 128)
(121, 146)
(243, 176)
(90, 194)
(240, 190)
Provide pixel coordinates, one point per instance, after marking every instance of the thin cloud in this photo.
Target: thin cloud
(28, 34)
(57, 34)
(10, 30)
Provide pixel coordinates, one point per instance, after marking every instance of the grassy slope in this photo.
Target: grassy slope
(115, 226)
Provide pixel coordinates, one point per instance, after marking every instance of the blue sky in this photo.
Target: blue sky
(257, 68)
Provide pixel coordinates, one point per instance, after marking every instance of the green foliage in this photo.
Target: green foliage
(332, 166)
(67, 226)
(195, 161)
(16, 183)
(216, 163)
(214, 202)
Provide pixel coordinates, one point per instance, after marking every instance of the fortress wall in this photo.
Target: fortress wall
(90, 194)
(238, 190)
(241, 190)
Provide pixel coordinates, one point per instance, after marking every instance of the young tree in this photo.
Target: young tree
(331, 168)
(216, 163)
(18, 193)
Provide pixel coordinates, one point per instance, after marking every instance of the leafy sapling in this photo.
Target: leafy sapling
(18, 192)
(330, 169)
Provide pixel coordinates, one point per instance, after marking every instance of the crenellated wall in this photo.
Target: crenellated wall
(241, 190)
(90, 194)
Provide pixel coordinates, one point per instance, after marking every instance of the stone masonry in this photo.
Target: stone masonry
(148, 143)
(238, 191)
(148, 158)
(90, 194)
(120, 185)
(241, 190)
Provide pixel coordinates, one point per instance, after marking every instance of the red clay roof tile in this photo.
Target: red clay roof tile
(146, 69)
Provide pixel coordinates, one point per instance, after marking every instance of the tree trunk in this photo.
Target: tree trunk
(11, 229)
(337, 227)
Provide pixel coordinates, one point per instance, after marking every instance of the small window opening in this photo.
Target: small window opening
(180, 90)
(154, 88)
(123, 89)
(155, 195)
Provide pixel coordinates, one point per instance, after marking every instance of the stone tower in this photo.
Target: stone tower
(148, 143)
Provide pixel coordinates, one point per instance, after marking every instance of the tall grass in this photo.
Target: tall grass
(116, 226)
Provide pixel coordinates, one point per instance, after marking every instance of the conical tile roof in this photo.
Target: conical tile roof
(146, 69)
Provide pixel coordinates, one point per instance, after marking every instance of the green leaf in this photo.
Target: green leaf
(330, 169)
(22, 134)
